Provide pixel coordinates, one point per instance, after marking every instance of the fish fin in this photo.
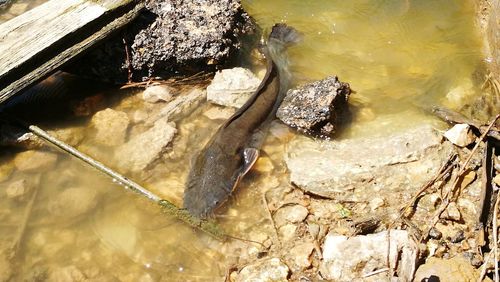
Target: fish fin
(250, 156)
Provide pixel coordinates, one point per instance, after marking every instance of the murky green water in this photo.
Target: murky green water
(397, 55)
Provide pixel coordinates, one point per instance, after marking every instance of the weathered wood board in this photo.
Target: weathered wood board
(36, 43)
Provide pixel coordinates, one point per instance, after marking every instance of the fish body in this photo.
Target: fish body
(234, 148)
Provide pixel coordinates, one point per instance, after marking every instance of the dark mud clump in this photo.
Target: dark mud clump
(316, 108)
(170, 37)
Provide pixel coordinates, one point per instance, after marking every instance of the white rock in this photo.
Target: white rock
(300, 256)
(157, 93)
(181, 106)
(376, 203)
(232, 87)
(460, 135)
(348, 259)
(111, 127)
(290, 214)
(143, 149)
(272, 269)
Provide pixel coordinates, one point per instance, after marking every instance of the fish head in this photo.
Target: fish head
(210, 183)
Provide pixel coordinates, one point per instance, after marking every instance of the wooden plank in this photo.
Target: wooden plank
(36, 43)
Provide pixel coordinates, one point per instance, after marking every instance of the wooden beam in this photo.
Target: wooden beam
(36, 43)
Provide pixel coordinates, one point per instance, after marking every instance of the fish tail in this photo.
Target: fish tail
(284, 34)
(281, 37)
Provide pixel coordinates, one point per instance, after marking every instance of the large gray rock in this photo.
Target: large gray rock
(361, 168)
(144, 149)
(348, 259)
(315, 108)
(232, 87)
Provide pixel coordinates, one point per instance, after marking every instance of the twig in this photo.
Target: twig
(495, 236)
(375, 272)
(270, 214)
(129, 63)
(451, 193)
(484, 267)
(207, 226)
(24, 223)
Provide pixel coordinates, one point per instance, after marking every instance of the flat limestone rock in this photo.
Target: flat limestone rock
(358, 169)
(143, 149)
(351, 258)
(315, 108)
(111, 127)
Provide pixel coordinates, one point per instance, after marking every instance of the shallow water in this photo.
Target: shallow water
(17, 7)
(398, 56)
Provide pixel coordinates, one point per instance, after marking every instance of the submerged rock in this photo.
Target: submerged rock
(35, 161)
(73, 202)
(143, 149)
(348, 259)
(272, 269)
(360, 169)
(111, 127)
(232, 87)
(315, 108)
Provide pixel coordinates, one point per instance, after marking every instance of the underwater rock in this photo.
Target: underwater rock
(454, 269)
(111, 127)
(17, 189)
(5, 266)
(360, 169)
(170, 37)
(219, 113)
(315, 108)
(143, 149)
(232, 87)
(35, 161)
(69, 135)
(350, 258)
(15, 136)
(67, 274)
(73, 202)
(181, 106)
(272, 269)
(5, 170)
(460, 135)
(157, 93)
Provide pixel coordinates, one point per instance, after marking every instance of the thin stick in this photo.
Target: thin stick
(129, 63)
(495, 236)
(463, 167)
(204, 225)
(484, 267)
(24, 223)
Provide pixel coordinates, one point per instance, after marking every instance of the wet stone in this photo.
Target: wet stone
(111, 127)
(67, 274)
(71, 135)
(232, 87)
(35, 161)
(315, 108)
(272, 269)
(5, 170)
(215, 113)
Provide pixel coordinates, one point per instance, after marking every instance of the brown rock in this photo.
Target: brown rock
(35, 161)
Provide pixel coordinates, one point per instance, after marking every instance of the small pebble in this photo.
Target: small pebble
(452, 212)
(460, 236)
(434, 233)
